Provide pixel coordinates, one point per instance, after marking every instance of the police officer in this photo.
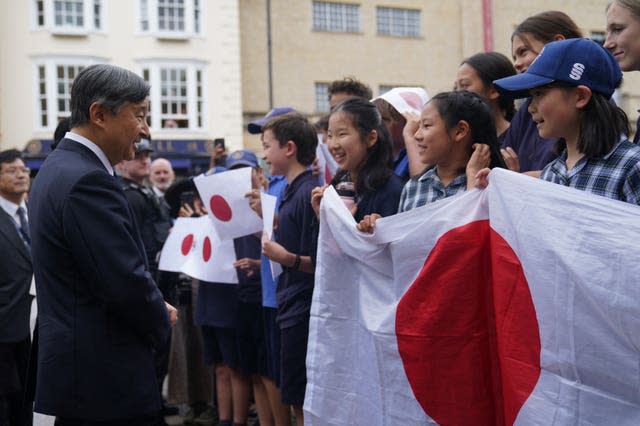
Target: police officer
(153, 220)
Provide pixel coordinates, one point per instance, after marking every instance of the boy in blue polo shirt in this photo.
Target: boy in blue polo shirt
(289, 142)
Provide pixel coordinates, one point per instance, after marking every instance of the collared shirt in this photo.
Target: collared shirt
(157, 192)
(93, 147)
(616, 175)
(428, 188)
(12, 209)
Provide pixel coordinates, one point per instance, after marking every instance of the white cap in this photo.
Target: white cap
(406, 99)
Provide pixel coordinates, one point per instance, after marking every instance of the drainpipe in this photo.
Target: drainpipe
(487, 25)
(269, 54)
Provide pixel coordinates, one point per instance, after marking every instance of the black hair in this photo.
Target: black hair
(351, 86)
(454, 107)
(61, 130)
(109, 86)
(9, 156)
(295, 127)
(492, 66)
(602, 123)
(377, 164)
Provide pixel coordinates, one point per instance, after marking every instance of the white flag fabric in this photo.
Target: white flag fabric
(513, 305)
(223, 194)
(327, 165)
(179, 244)
(268, 203)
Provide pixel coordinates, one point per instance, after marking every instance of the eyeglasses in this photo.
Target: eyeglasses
(17, 170)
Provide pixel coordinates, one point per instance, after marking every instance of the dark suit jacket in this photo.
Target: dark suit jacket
(100, 313)
(15, 280)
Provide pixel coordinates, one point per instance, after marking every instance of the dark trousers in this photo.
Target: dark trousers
(14, 361)
(140, 421)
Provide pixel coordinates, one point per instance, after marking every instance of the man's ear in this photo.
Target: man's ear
(583, 96)
(97, 114)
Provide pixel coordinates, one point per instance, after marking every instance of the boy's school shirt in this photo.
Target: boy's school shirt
(428, 188)
(294, 233)
(615, 175)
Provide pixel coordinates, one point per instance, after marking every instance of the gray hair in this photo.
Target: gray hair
(109, 86)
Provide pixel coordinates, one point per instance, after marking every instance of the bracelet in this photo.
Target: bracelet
(296, 263)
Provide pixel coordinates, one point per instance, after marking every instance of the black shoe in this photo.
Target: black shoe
(169, 410)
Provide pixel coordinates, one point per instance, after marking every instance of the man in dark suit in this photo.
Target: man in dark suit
(15, 279)
(100, 313)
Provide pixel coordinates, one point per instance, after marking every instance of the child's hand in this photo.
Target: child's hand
(185, 211)
(480, 158)
(248, 265)
(254, 201)
(316, 197)
(274, 251)
(367, 224)
(480, 180)
(410, 129)
(511, 159)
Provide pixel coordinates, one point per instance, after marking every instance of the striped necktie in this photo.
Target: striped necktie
(24, 226)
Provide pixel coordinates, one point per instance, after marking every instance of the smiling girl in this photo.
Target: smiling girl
(360, 143)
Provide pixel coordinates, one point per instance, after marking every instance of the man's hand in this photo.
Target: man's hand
(173, 314)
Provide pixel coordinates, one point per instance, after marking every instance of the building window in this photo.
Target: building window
(170, 18)
(382, 89)
(336, 17)
(54, 78)
(177, 95)
(69, 16)
(598, 36)
(398, 22)
(322, 97)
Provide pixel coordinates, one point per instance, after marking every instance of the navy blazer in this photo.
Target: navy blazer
(100, 313)
(15, 280)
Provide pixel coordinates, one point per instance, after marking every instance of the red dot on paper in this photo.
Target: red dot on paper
(220, 208)
(187, 243)
(467, 330)
(206, 249)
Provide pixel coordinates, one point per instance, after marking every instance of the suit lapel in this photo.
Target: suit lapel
(9, 232)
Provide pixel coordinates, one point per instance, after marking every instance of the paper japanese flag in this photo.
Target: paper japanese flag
(327, 165)
(179, 244)
(406, 99)
(268, 212)
(224, 197)
(513, 305)
(211, 259)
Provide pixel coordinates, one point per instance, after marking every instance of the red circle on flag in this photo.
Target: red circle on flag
(220, 208)
(467, 330)
(206, 249)
(187, 243)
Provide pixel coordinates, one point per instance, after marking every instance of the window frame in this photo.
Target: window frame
(197, 106)
(50, 64)
(321, 99)
(48, 17)
(394, 14)
(330, 26)
(149, 9)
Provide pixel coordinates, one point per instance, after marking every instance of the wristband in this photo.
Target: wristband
(296, 263)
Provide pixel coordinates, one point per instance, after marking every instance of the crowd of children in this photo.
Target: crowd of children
(567, 131)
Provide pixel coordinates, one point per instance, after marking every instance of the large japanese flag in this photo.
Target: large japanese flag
(519, 304)
(223, 194)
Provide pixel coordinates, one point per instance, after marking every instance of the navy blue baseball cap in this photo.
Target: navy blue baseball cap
(577, 61)
(255, 127)
(242, 157)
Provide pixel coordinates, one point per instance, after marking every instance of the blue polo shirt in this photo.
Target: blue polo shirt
(384, 200)
(401, 165)
(295, 288)
(277, 184)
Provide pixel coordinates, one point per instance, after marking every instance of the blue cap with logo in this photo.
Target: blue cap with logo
(577, 61)
(255, 127)
(242, 157)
